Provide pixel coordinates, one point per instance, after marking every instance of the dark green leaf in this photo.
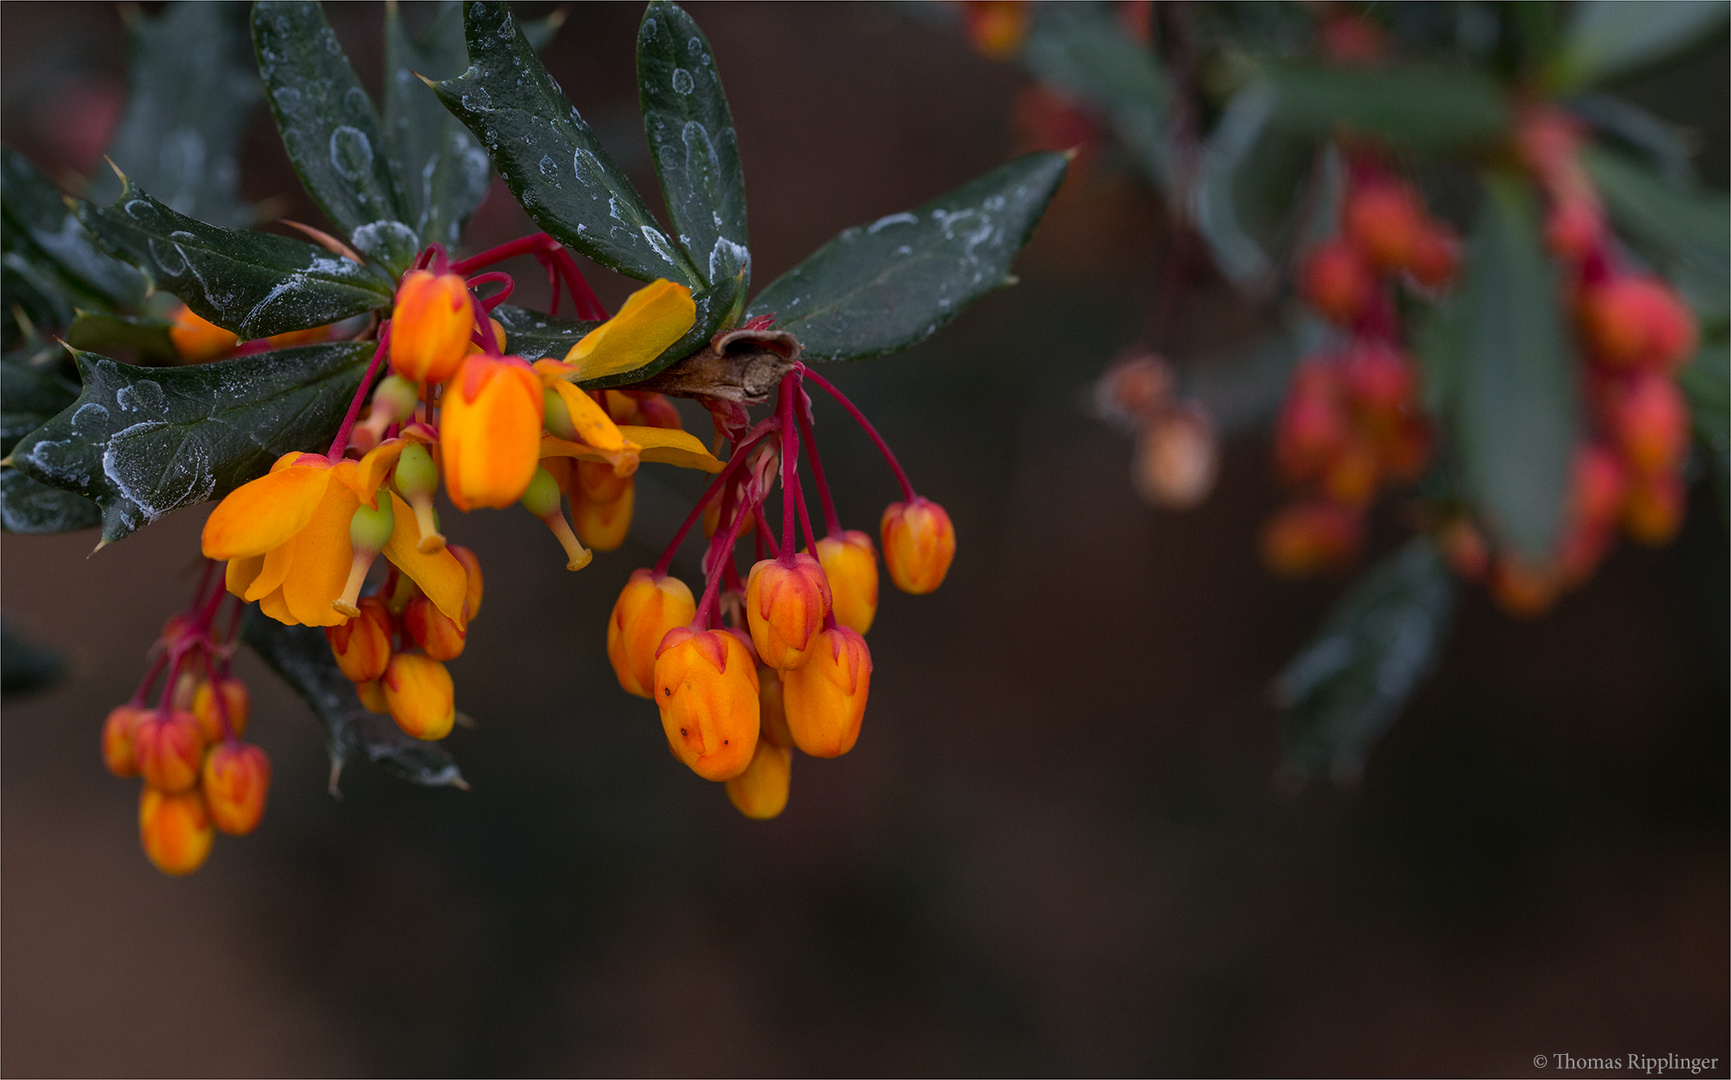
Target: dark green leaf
(880, 288)
(1608, 38)
(25, 666)
(1516, 410)
(302, 657)
(254, 284)
(1081, 50)
(30, 395)
(37, 212)
(1417, 106)
(145, 441)
(1687, 231)
(1666, 147)
(148, 337)
(1348, 684)
(28, 506)
(445, 171)
(1251, 190)
(548, 155)
(534, 335)
(331, 131)
(691, 138)
(193, 86)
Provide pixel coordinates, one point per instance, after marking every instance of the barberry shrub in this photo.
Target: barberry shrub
(1498, 291)
(325, 388)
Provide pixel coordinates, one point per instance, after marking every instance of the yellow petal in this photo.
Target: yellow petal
(593, 424)
(241, 573)
(322, 557)
(439, 575)
(653, 318)
(259, 515)
(277, 608)
(668, 446)
(274, 571)
(370, 473)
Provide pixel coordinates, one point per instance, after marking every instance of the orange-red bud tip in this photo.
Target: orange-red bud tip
(431, 326)
(169, 748)
(420, 696)
(206, 711)
(362, 645)
(706, 687)
(919, 544)
(117, 746)
(785, 604)
(434, 631)
(235, 782)
(647, 608)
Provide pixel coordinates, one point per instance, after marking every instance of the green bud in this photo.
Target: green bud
(556, 416)
(542, 498)
(370, 530)
(396, 396)
(416, 473)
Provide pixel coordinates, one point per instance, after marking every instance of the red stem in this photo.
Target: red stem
(489, 278)
(832, 521)
(711, 590)
(763, 537)
(341, 442)
(733, 463)
(789, 465)
(544, 248)
(859, 418)
(143, 690)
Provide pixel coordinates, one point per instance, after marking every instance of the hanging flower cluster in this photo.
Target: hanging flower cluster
(198, 776)
(1351, 419)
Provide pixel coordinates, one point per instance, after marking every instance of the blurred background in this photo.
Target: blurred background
(1058, 847)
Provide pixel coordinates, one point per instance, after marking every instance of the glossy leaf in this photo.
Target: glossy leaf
(32, 390)
(1608, 38)
(1345, 688)
(1251, 190)
(1516, 409)
(301, 655)
(880, 288)
(144, 441)
(46, 228)
(548, 155)
(534, 335)
(692, 141)
(331, 131)
(445, 170)
(192, 88)
(1082, 50)
(254, 284)
(29, 506)
(1416, 106)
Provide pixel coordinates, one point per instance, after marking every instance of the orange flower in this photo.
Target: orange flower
(419, 693)
(286, 538)
(168, 746)
(603, 525)
(785, 604)
(761, 790)
(1638, 321)
(826, 699)
(362, 645)
(919, 543)
(195, 338)
(490, 431)
(205, 710)
(706, 688)
(647, 608)
(850, 563)
(175, 830)
(431, 326)
(772, 707)
(436, 633)
(117, 746)
(236, 780)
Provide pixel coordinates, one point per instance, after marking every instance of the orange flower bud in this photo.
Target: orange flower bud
(1384, 219)
(420, 696)
(785, 602)
(1650, 420)
(772, 708)
(168, 747)
(1313, 424)
(431, 326)
(1437, 256)
(195, 338)
(706, 688)
(372, 695)
(204, 708)
(1338, 282)
(1637, 321)
(826, 699)
(362, 645)
(117, 747)
(1523, 590)
(997, 28)
(236, 780)
(919, 543)
(472, 567)
(1653, 508)
(434, 631)
(1350, 479)
(647, 608)
(1305, 538)
(1378, 380)
(174, 829)
(761, 790)
(597, 481)
(1177, 458)
(850, 564)
(603, 526)
(490, 431)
